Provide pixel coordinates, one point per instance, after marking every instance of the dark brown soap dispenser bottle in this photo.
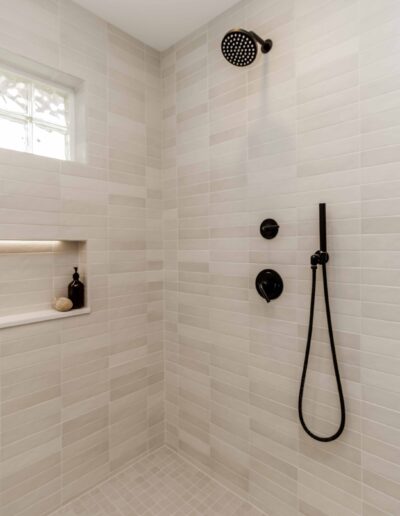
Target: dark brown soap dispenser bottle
(76, 291)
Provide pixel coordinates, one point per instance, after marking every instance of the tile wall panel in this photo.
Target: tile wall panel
(316, 120)
(81, 398)
(210, 150)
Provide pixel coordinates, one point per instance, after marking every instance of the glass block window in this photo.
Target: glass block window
(35, 117)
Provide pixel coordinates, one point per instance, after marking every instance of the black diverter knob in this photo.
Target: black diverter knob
(269, 228)
(269, 284)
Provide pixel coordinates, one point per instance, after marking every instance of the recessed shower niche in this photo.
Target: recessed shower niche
(35, 272)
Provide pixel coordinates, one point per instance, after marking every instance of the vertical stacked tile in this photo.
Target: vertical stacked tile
(328, 160)
(31, 29)
(154, 248)
(301, 130)
(170, 244)
(379, 109)
(134, 289)
(85, 375)
(30, 463)
(272, 187)
(30, 357)
(192, 169)
(83, 397)
(228, 261)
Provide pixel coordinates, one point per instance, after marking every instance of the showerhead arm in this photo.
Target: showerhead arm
(265, 44)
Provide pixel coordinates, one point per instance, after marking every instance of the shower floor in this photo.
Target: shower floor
(159, 484)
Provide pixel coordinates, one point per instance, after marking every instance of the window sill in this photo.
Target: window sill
(8, 321)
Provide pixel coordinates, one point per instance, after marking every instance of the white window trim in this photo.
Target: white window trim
(28, 118)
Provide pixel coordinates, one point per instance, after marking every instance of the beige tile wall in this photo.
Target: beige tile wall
(81, 398)
(317, 120)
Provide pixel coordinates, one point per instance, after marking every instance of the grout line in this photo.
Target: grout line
(184, 457)
(110, 477)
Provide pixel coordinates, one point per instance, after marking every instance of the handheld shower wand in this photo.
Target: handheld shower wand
(322, 227)
(321, 257)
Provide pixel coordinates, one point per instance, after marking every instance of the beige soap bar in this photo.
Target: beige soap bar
(63, 304)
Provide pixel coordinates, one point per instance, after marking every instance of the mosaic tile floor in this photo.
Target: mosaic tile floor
(160, 484)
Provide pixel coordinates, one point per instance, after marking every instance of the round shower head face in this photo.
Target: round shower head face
(239, 47)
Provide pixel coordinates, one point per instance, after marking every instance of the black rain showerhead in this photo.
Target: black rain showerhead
(239, 46)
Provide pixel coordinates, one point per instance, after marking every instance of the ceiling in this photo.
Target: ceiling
(159, 23)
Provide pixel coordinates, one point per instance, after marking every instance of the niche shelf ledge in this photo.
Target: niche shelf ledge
(8, 321)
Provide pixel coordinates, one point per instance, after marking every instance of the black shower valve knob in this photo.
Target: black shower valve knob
(269, 228)
(269, 284)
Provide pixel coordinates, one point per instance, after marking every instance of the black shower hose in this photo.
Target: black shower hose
(334, 358)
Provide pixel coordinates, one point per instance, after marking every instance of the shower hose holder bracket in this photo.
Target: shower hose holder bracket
(319, 258)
